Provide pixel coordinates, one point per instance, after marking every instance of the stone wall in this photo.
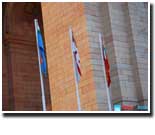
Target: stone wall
(125, 38)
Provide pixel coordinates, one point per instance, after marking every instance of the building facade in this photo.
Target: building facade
(125, 30)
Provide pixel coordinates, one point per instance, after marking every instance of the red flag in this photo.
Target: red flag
(107, 67)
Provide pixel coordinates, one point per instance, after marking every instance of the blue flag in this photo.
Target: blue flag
(41, 51)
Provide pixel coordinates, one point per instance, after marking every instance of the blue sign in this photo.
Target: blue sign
(117, 107)
(142, 107)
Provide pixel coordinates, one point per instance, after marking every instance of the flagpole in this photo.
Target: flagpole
(107, 88)
(41, 78)
(76, 84)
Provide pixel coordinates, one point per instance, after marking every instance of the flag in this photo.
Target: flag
(76, 59)
(107, 67)
(41, 51)
(42, 61)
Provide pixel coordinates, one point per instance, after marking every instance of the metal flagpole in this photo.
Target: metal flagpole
(107, 88)
(41, 78)
(76, 84)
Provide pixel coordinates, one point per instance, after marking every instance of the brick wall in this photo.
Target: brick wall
(5, 94)
(21, 81)
(57, 17)
(116, 23)
(26, 83)
(124, 27)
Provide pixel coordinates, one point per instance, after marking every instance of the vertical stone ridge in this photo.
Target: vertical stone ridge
(98, 22)
(137, 13)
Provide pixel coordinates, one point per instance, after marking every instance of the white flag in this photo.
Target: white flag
(76, 60)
